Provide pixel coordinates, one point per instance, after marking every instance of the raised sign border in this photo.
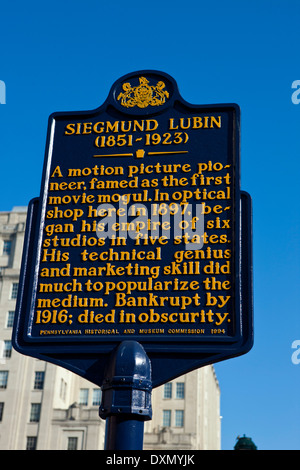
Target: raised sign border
(170, 357)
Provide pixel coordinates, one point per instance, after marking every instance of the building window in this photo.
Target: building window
(168, 390)
(31, 442)
(7, 348)
(180, 390)
(1, 410)
(167, 418)
(35, 412)
(10, 319)
(63, 389)
(179, 415)
(14, 290)
(6, 247)
(96, 401)
(39, 378)
(72, 443)
(3, 378)
(83, 396)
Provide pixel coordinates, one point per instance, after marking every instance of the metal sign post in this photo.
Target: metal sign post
(126, 397)
(140, 240)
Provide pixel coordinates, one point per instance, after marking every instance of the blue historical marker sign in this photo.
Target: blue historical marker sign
(140, 232)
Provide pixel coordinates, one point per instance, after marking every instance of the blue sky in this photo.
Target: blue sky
(65, 55)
